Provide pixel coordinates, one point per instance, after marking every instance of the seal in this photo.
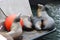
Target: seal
(43, 21)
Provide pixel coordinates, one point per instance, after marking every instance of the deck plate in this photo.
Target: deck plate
(36, 34)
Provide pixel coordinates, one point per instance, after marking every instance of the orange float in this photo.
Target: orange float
(9, 20)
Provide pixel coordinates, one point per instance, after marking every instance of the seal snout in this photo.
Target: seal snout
(40, 6)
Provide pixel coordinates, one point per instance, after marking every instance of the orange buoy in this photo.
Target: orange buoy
(21, 22)
(10, 19)
(8, 22)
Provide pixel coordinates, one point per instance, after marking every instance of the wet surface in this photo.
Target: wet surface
(54, 12)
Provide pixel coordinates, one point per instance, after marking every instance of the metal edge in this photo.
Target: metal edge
(46, 34)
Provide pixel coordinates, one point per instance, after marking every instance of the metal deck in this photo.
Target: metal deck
(36, 34)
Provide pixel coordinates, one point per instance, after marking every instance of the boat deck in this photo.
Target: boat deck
(36, 34)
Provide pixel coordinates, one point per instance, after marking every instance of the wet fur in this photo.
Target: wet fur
(48, 22)
(27, 23)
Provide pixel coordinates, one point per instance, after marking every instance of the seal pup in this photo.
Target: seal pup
(27, 23)
(43, 21)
